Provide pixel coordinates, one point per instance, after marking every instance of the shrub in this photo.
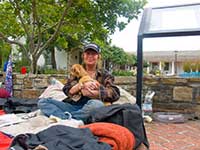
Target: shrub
(53, 71)
(17, 65)
(187, 67)
(198, 66)
(194, 67)
(122, 73)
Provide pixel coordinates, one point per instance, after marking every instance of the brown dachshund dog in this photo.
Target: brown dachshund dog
(78, 71)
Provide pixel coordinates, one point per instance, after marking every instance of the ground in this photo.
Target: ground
(184, 136)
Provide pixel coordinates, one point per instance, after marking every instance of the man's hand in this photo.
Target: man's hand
(91, 85)
(90, 93)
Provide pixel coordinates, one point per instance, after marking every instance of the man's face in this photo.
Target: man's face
(90, 57)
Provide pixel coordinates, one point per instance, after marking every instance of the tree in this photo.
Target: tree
(131, 59)
(25, 19)
(116, 57)
(4, 52)
(45, 22)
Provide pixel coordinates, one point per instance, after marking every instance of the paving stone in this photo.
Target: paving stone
(169, 136)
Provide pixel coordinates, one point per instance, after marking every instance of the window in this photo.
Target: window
(166, 66)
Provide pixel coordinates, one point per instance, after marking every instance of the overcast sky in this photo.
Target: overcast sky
(127, 39)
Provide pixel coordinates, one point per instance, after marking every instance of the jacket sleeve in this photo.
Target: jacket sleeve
(70, 83)
(108, 91)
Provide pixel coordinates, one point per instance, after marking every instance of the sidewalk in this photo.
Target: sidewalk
(163, 136)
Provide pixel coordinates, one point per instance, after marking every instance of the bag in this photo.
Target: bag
(4, 93)
(16, 105)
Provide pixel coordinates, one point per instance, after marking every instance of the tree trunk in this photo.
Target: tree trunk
(53, 59)
(1, 61)
(34, 65)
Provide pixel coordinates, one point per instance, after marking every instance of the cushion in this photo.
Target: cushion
(54, 91)
(4, 93)
(125, 97)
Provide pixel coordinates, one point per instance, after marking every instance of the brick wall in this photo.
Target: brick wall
(172, 94)
(175, 94)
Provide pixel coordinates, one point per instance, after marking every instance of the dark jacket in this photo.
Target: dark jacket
(108, 91)
(18, 105)
(60, 138)
(127, 115)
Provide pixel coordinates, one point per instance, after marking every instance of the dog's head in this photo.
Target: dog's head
(78, 71)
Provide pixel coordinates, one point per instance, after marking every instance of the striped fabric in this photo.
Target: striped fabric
(8, 80)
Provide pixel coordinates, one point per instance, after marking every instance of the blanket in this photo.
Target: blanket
(120, 138)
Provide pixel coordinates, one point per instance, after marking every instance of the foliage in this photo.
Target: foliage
(18, 64)
(198, 66)
(53, 71)
(66, 24)
(156, 72)
(194, 67)
(131, 59)
(5, 50)
(117, 56)
(145, 64)
(187, 67)
(122, 73)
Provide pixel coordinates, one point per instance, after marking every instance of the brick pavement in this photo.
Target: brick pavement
(169, 136)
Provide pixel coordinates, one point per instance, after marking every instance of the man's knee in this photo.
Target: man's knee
(96, 103)
(42, 102)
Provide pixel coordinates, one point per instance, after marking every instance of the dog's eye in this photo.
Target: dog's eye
(75, 70)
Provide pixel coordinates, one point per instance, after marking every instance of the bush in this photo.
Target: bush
(187, 67)
(122, 73)
(53, 71)
(17, 65)
(198, 67)
(194, 67)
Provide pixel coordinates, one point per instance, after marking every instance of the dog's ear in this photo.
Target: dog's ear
(82, 71)
(75, 71)
(72, 73)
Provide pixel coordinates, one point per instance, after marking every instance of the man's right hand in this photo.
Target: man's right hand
(90, 93)
(91, 85)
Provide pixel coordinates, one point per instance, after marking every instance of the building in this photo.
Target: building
(170, 62)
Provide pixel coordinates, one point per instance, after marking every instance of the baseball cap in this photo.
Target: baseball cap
(92, 46)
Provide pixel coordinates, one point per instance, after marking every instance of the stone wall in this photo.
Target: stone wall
(171, 94)
(175, 94)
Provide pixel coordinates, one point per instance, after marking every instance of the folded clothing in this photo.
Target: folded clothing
(2, 112)
(4, 93)
(5, 141)
(119, 137)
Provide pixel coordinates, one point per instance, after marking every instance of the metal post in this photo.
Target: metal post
(175, 61)
(139, 71)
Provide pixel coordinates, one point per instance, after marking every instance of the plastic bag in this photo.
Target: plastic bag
(147, 105)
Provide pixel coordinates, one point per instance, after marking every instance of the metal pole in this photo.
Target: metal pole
(139, 71)
(175, 60)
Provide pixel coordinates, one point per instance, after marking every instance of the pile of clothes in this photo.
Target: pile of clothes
(106, 128)
(114, 127)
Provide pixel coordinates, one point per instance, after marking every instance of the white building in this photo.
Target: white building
(170, 62)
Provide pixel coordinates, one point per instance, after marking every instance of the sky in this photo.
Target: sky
(127, 38)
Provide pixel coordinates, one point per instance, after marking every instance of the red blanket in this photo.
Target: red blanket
(4, 141)
(2, 112)
(120, 138)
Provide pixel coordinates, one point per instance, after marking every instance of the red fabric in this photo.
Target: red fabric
(120, 138)
(23, 70)
(4, 93)
(2, 112)
(5, 141)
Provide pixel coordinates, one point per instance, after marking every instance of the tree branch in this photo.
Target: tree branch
(13, 42)
(39, 29)
(69, 3)
(21, 19)
(33, 23)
